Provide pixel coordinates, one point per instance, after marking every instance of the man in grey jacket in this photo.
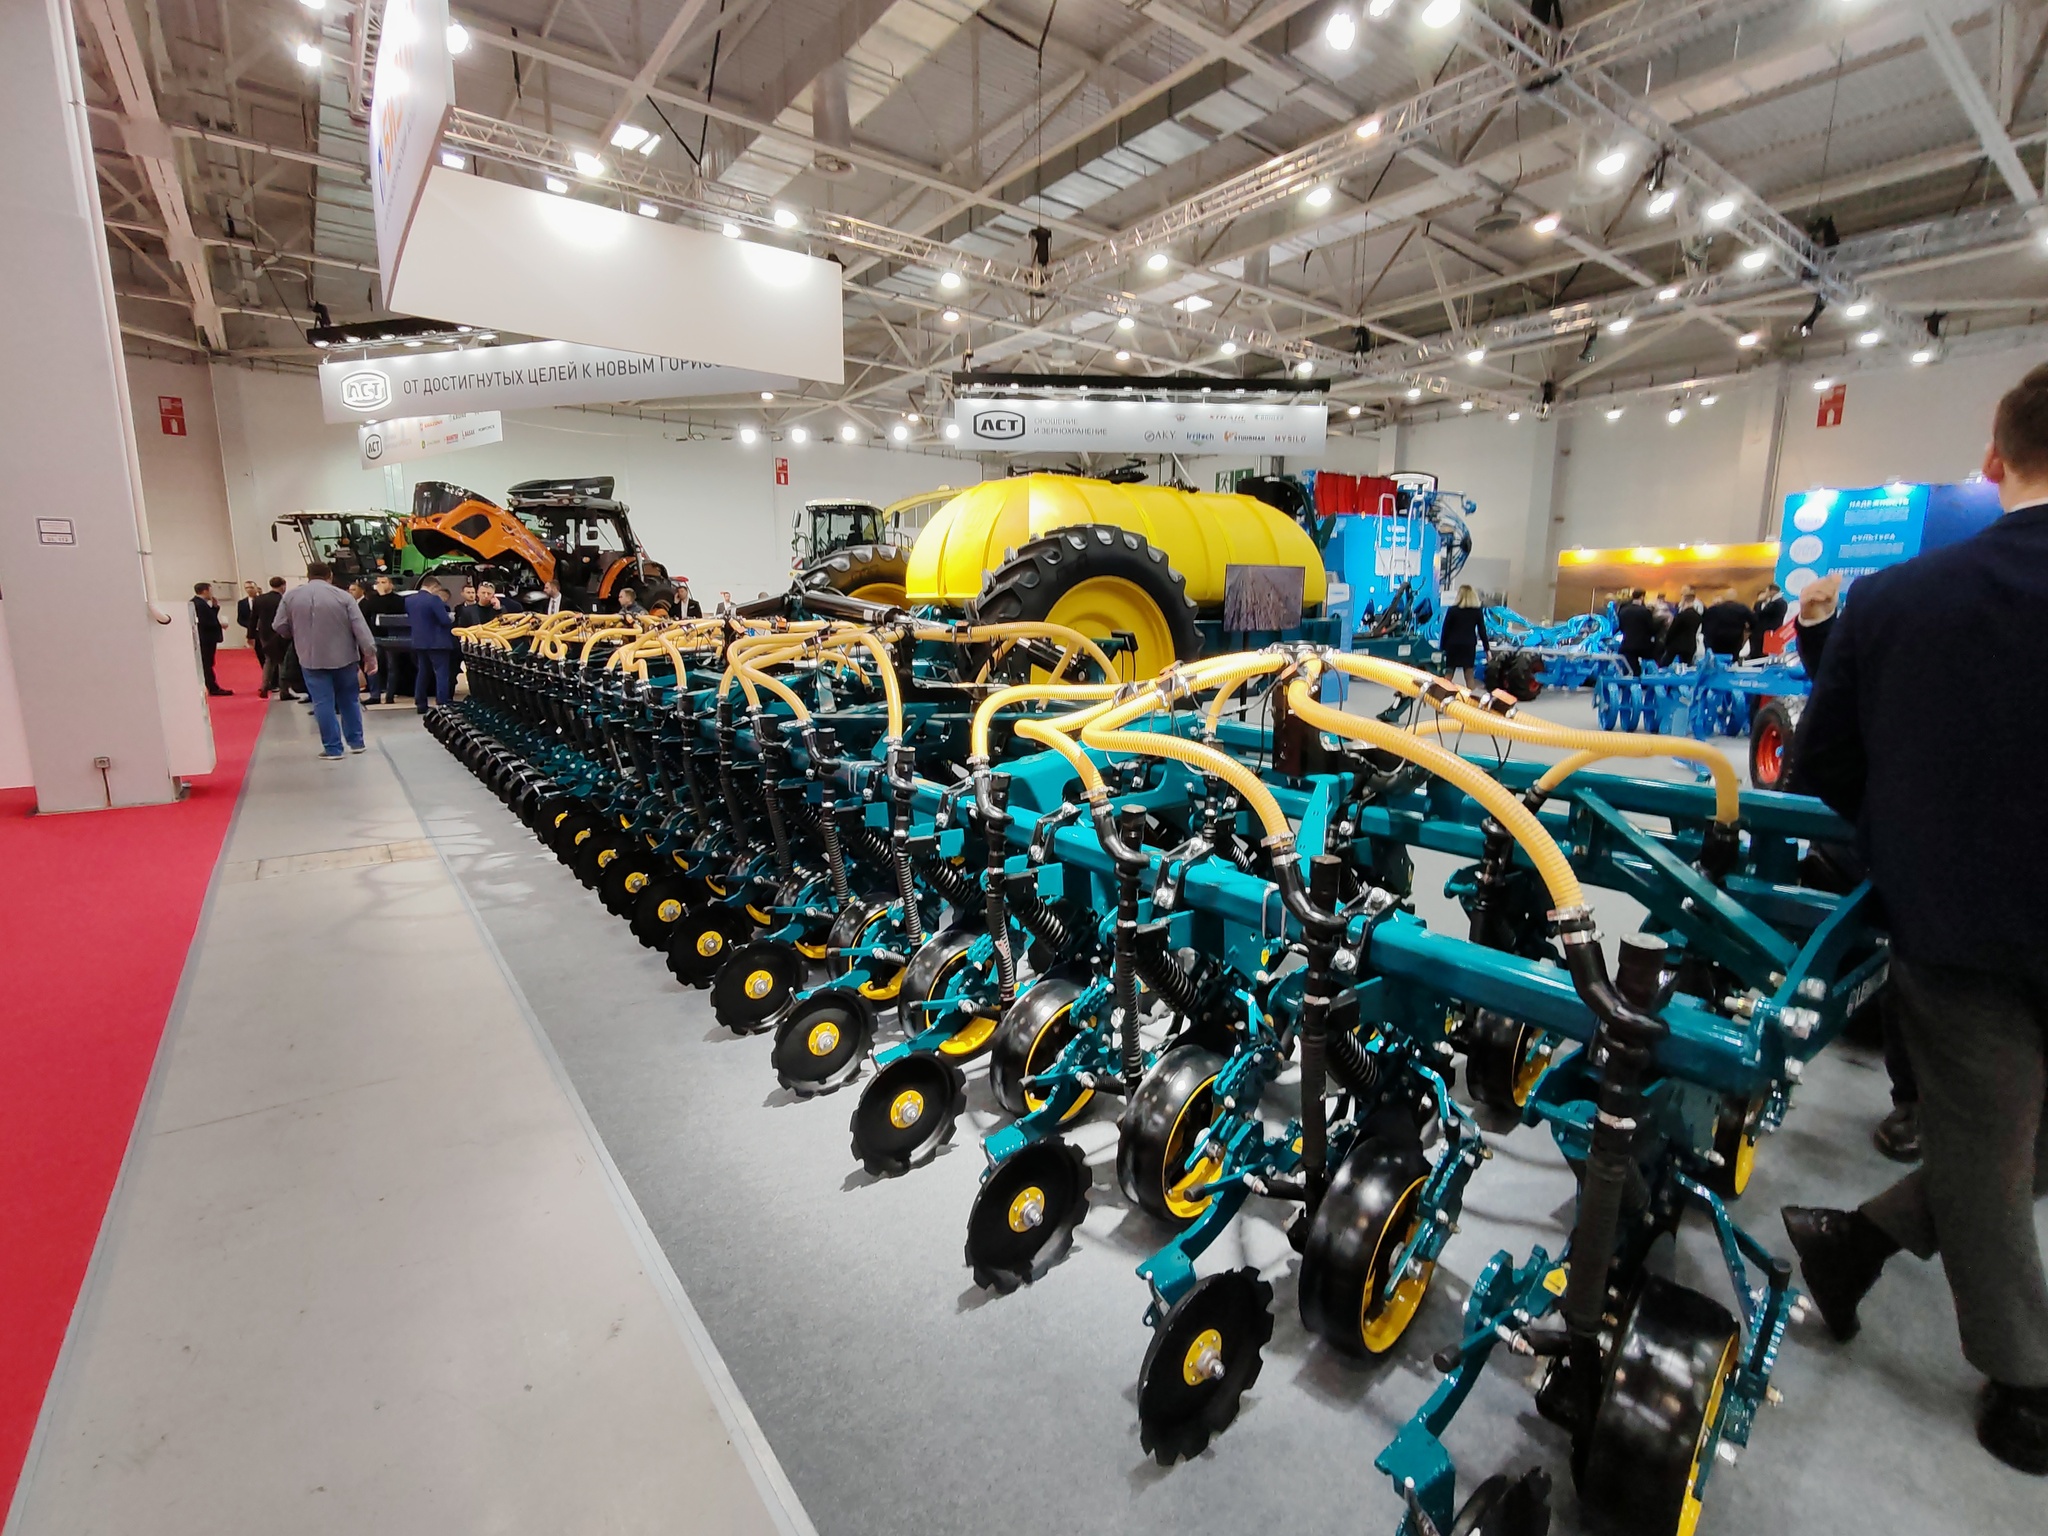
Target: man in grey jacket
(335, 650)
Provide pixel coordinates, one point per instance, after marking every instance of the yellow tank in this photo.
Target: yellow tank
(1199, 532)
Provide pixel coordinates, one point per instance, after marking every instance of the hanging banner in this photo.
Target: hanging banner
(411, 97)
(421, 437)
(1140, 426)
(524, 376)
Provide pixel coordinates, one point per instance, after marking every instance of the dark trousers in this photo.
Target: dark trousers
(436, 674)
(274, 651)
(1979, 1045)
(206, 649)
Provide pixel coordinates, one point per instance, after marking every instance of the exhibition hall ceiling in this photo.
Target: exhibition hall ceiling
(1429, 203)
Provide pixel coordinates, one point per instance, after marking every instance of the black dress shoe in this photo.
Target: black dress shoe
(1898, 1134)
(2012, 1424)
(1841, 1254)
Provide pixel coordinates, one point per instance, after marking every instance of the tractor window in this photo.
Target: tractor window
(473, 526)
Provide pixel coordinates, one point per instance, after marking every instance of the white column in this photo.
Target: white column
(1536, 589)
(1756, 468)
(72, 539)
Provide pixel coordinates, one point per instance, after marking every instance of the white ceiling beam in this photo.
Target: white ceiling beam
(1254, 61)
(1976, 104)
(149, 142)
(657, 60)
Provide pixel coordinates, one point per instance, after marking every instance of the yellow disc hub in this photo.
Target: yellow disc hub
(1204, 1360)
(760, 984)
(823, 1039)
(907, 1109)
(669, 911)
(710, 942)
(1028, 1209)
(636, 882)
(605, 857)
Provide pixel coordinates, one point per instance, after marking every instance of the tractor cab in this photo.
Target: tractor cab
(589, 537)
(830, 526)
(360, 546)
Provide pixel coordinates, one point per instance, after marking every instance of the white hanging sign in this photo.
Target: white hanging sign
(992, 423)
(420, 437)
(412, 95)
(524, 376)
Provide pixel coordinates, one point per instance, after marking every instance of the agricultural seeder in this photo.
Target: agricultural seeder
(904, 844)
(1758, 699)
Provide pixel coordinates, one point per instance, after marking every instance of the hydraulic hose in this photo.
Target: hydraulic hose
(1024, 693)
(1727, 788)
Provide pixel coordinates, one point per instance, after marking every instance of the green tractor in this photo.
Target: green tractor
(858, 548)
(360, 546)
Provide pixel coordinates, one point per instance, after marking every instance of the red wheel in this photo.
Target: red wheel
(1770, 745)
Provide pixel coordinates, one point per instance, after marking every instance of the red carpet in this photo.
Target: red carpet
(98, 910)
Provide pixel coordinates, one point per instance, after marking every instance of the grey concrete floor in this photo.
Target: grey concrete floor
(367, 1269)
(901, 1400)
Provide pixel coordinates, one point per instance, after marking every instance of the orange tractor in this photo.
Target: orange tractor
(566, 531)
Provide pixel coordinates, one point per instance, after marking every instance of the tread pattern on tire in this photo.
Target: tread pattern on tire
(1034, 577)
(857, 565)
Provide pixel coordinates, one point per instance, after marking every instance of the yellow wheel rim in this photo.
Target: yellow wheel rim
(605, 857)
(879, 991)
(1530, 1065)
(669, 910)
(710, 942)
(811, 951)
(636, 882)
(1745, 1164)
(890, 592)
(1102, 605)
(765, 919)
(969, 1037)
(907, 1109)
(760, 984)
(1380, 1331)
(1028, 1209)
(1689, 1512)
(823, 1039)
(581, 836)
(1177, 1139)
(1204, 1354)
(1033, 1066)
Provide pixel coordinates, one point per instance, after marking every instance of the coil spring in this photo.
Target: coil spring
(1164, 975)
(1356, 1068)
(1038, 919)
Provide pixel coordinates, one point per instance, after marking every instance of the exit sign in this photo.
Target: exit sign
(170, 412)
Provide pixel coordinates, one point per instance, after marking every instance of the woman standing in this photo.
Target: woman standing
(1464, 636)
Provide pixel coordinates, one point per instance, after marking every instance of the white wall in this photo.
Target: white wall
(707, 510)
(1495, 463)
(183, 492)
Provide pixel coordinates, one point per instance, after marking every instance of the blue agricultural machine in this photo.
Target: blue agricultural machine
(905, 843)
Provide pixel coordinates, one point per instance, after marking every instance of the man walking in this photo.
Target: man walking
(1956, 858)
(335, 651)
(269, 642)
(206, 623)
(382, 601)
(433, 644)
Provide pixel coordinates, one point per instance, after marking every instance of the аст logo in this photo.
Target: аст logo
(998, 425)
(365, 391)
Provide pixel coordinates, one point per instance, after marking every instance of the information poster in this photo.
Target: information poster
(1848, 533)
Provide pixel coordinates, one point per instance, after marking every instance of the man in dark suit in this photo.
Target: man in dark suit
(275, 648)
(245, 617)
(206, 623)
(433, 643)
(1725, 626)
(1765, 617)
(1637, 626)
(1949, 821)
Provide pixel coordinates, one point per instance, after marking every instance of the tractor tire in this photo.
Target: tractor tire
(871, 573)
(1099, 579)
(1771, 736)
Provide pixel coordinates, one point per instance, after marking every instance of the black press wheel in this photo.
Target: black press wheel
(701, 939)
(1358, 1233)
(906, 1113)
(657, 910)
(936, 966)
(1771, 734)
(755, 985)
(1203, 1357)
(623, 881)
(1025, 1212)
(1172, 1107)
(1029, 1039)
(1655, 1424)
(1504, 1060)
(819, 1045)
(572, 833)
(596, 857)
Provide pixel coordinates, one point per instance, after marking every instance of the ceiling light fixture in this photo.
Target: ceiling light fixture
(1754, 261)
(767, 394)
(1126, 323)
(649, 211)
(1370, 128)
(1514, 415)
(749, 436)
(1722, 211)
(1619, 324)
(784, 219)
(949, 281)
(1464, 405)
(1356, 410)
(629, 136)
(1414, 394)
(586, 163)
(1546, 224)
(1749, 339)
(1304, 368)
(458, 37)
(1924, 355)
(454, 161)
(912, 416)
(1228, 349)
(900, 433)
(1858, 310)
(1441, 13)
(1822, 385)
(1340, 31)
(1708, 399)
(1667, 294)
(950, 316)
(414, 341)
(1379, 8)
(952, 429)
(1675, 415)
(1158, 261)
(309, 54)
(1476, 356)
(1318, 197)
(730, 230)
(1122, 356)
(1614, 413)
(556, 185)
(1613, 163)
(1870, 338)
(799, 436)
(1663, 202)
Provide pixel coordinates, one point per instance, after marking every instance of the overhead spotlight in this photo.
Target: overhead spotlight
(1675, 415)
(1228, 349)
(649, 211)
(1870, 338)
(949, 281)
(749, 436)
(1749, 339)
(1126, 323)
(952, 429)
(1441, 13)
(1722, 211)
(730, 230)
(1514, 415)
(458, 34)
(629, 136)
(1476, 356)
(414, 341)
(1822, 385)
(1414, 394)
(1464, 405)
(1663, 202)
(309, 55)
(1858, 310)
(900, 433)
(586, 163)
(767, 395)
(1613, 163)
(912, 416)
(950, 316)
(1546, 224)
(454, 161)
(1667, 293)
(1924, 355)
(1708, 399)
(1356, 410)
(1304, 368)
(556, 185)
(486, 335)
(321, 342)
(314, 5)
(785, 219)
(1318, 197)
(1619, 324)
(1370, 128)
(1614, 413)
(1158, 261)
(1122, 356)
(1754, 261)
(1340, 31)
(799, 436)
